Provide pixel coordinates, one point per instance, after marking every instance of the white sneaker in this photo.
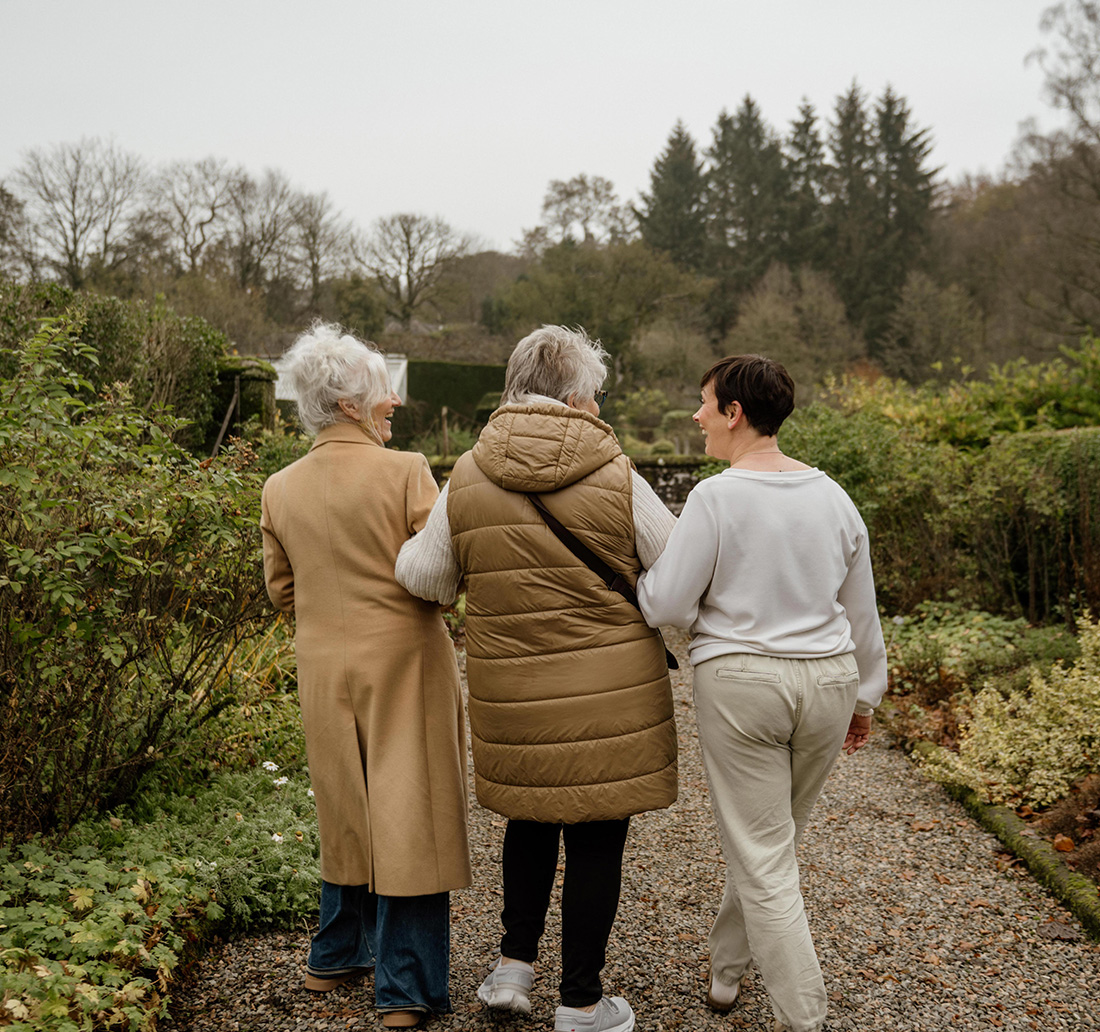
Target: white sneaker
(508, 987)
(612, 1014)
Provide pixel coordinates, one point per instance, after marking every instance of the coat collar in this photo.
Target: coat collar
(344, 433)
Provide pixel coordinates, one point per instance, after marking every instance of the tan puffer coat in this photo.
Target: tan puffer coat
(570, 702)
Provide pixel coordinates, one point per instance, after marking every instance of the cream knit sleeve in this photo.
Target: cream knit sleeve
(426, 565)
(652, 521)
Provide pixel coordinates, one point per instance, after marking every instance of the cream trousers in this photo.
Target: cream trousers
(770, 730)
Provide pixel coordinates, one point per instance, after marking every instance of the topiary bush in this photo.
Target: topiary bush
(129, 573)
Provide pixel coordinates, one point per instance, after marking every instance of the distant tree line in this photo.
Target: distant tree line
(830, 244)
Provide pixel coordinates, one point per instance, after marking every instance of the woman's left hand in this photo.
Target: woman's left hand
(859, 731)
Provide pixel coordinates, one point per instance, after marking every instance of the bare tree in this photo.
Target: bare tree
(589, 203)
(189, 202)
(261, 221)
(80, 199)
(322, 238)
(1071, 64)
(13, 230)
(408, 255)
(1064, 170)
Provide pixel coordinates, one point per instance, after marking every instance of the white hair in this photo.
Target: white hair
(557, 362)
(325, 366)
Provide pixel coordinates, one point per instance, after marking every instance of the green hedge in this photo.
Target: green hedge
(461, 386)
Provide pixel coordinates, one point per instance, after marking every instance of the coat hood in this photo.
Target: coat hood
(540, 448)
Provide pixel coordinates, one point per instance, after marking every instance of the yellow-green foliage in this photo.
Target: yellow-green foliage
(1030, 746)
(1011, 398)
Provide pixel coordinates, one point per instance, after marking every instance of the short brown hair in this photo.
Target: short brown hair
(761, 385)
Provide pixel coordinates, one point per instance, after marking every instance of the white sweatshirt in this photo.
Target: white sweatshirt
(774, 564)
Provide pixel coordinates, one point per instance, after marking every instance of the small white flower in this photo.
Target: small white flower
(899, 620)
(276, 837)
(268, 765)
(279, 782)
(310, 793)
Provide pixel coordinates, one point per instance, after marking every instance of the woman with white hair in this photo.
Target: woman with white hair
(378, 682)
(570, 702)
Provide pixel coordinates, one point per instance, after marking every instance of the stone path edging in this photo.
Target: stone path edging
(1078, 893)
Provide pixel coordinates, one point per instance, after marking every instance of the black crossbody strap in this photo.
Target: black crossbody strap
(614, 581)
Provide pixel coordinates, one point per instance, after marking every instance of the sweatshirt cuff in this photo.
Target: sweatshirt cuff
(863, 709)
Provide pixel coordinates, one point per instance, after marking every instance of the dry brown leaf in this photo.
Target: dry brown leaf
(1063, 843)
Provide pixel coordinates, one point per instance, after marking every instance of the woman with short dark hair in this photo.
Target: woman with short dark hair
(769, 567)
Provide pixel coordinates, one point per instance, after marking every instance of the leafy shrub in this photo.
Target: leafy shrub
(1031, 746)
(940, 648)
(169, 360)
(87, 943)
(263, 721)
(1015, 397)
(129, 572)
(1031, 519)
(93, 929)
(276, 448)
(252, 836)
(1013, 527)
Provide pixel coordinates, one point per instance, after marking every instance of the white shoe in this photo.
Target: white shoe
(612, 1014)
(508, 987)
(722, 997)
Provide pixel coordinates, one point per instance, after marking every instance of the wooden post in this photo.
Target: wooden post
(234, 404)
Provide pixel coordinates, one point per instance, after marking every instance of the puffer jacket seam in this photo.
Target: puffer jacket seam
(614, 601)
(560, 652)
(579, 784)
(650, 728)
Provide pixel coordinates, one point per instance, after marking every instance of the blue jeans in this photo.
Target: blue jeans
(406, 938)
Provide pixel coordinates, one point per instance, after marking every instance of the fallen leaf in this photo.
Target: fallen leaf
(1063, 843)
(1058, 930)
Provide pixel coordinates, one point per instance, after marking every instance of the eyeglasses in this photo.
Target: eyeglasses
(599, 397)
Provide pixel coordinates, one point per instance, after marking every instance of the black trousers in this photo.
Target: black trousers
(589, 899)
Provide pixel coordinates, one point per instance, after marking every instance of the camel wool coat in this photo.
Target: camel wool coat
(377, 675)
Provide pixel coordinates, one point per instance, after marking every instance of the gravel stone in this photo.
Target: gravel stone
(920, 919)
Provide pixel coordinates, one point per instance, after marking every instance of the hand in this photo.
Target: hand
(859, 730)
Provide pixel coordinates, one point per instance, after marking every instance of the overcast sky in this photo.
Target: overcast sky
(466, 109)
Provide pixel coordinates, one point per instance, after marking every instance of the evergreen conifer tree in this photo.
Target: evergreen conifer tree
(672, 216)
(878, 207)
(804, 159)
(747, 190)
(903, 188)
(851, 209)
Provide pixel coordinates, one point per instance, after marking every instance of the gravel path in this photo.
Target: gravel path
(921, 922)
